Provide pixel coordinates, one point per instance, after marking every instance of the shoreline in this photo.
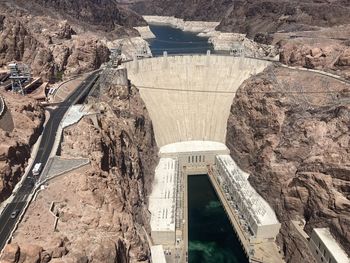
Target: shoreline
(189, 26)
(221, 41)
(145, 32)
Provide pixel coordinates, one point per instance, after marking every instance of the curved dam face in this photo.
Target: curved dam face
(189, 97)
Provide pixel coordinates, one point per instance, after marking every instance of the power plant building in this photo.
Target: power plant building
(325, 248)
(256, 212)
(162, 202)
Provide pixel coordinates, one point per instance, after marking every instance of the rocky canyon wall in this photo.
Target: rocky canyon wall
(253, 16)
(20, 127)
(328, 55)
(292, 135)
(58, 39)
(101, 208)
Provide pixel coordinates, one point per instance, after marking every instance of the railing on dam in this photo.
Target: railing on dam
(200, 54)
(276, 62)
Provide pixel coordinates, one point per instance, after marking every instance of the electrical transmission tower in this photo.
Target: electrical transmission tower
(19, 75)
(115, 57)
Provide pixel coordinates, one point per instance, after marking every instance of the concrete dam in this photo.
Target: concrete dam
(189, 98)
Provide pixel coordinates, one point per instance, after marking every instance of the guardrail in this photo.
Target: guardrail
(70, 79)
(316, 71)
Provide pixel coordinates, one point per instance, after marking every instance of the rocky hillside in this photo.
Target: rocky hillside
(106, 15)
(292, 135)
(322, 54)
(202, 10)
(20, 127)
(51, 53)
(101, 209)
(61, 38)
(254, 16)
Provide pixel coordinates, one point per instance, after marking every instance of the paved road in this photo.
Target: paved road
(48, 139)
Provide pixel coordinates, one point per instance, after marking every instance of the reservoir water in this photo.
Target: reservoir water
(176, 41)
(210, 234)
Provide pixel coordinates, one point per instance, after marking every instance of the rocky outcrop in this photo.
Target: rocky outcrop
(325, 55)
(201, 10)
(269, 16)
(253, 17)
(104, 14)
(101, 209)
(49, 50)
(58, 39)
(191, 26)
(292, 136)
(19, 130)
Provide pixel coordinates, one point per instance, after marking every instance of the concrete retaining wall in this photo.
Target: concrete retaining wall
(2, 106)
(189, 97)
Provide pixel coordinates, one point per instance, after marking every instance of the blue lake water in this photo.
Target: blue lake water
(176, 41)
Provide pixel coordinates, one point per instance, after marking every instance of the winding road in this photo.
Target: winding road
(20, 200)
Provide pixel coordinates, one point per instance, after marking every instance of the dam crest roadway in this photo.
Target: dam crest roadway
(189, 98)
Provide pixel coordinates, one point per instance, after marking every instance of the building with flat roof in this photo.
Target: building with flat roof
(255, 211)
(325, 248)
(162, 202)
(157, 254)
(195, 155)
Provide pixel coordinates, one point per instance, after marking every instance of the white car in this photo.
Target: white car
(37, 169)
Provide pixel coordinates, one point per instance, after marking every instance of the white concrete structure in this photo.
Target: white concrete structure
(162, 202)
(195, 155)
(189, 97)
(255, 211)
(74, 114)
(325, 248)
(157, 254)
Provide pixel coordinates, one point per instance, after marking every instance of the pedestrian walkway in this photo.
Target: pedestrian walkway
(256, 251)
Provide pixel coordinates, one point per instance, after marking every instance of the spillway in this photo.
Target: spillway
(189, 97)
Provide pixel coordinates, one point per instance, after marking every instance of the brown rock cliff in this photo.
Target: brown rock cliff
(102, 208)
(20, 128)
(296, 147)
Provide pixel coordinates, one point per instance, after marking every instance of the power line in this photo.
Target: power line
(249, 92)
